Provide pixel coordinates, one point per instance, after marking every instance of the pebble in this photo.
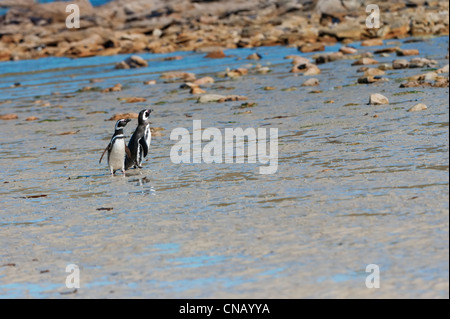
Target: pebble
(254, 56)
(197, 90)
(373, 72)
(206, 98)
(409, 52)
(311, 82)
(204, 80)
(348, 50)
(443, 70)
(422, 62)
(219, 54)
(150, 82)
(31, 118)
(311, 47)
(378, 99)
(132, 62)
(418, 107)
(365, 61)
(400, 64)
(371, 42)
(8, 117)
(297, 59)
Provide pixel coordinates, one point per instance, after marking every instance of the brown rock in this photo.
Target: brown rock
(204, 80)
(178, 75)
(133, 99)
(254, 56)
(365, 61)
(311, 82)
(312, 47)
(373, 72)
(8, 117)
(115, 88)
(215, 55)
(150, 82)
(119, 116)
(133, 61)
(31, 118)
(400, 64)
(197, 90)
(371, 42)
(407, 52)
(329, 57)
(296, 59)
(348, 50)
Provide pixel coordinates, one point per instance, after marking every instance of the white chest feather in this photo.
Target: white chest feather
(117, 153)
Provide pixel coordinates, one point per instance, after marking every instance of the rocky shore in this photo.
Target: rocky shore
(29, 30)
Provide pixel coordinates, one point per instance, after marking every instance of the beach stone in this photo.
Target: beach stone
(348, 50)
(329, 57)
(400, 64)
(178, 75)
(373, 72)
(197, 90)
(254, 56)
(236, 73)
(385, 66)
(387, 50)
(133, 61)
(31, 118)
(219, 54)
(150, 82)
(443, 69)
(297, 59)
(125, 116)
(378, 99)
(407, 52)
(7, 117)
(371, 42)
(311, 47)
(206, 98)
(365, 61)
(311, 82)
(418, 107)
(204, 80)
(422, 62)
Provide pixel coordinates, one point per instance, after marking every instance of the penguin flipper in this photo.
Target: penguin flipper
(127, 151)
(106, 149)
(144, 146)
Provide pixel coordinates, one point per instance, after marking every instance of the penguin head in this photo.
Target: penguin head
(120, 124)
(144, 115)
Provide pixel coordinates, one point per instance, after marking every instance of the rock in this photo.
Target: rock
(204, 80)
(400, 64)
(115, 88)
(443, 70)
(311, 47)
(311, 82)
(385, 66)
(370, 79)
(422, 62)
(378, 99)
(197, 90)
(373, 72)
(365, 61)
(133, 99)
(8, 117)
(254, 56)
(386, 50)
(371, 42)
(263, 70)
(296, 59)
(173, 58)
(133, 61)
(150, 82)
(236, 73)
(329, 57)
(215, 55)
(418, 107)
(407, 52)
(206, 98)
(348, 50)
(119, 116)
(232, 98)
(306, 69)
(178, 75)
(31, 118)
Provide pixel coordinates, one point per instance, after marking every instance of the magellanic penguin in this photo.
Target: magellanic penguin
(139, 143)
(117, 148)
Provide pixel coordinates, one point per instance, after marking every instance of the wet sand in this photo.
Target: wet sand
(357, 184)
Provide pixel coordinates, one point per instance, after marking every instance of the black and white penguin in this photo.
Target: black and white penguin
(117, 148)
(139, 143)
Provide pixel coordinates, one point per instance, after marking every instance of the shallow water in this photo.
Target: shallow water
(350, 189)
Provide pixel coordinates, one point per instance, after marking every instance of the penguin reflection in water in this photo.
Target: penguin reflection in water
(139, 143)
(117, 148)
